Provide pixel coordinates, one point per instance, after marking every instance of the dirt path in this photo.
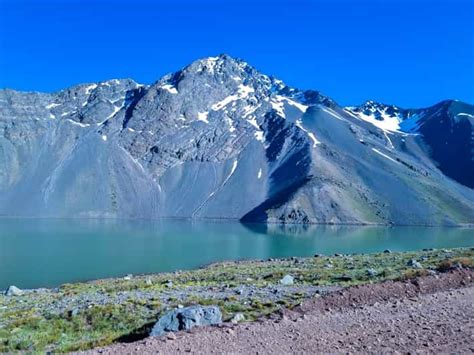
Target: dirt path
(430, 314)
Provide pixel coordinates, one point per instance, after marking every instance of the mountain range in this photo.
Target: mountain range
(220, 140)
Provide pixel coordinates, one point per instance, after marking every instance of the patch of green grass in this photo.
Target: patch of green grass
(95, 326)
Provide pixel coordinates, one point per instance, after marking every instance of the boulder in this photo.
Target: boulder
(187, 318)
(287, 280)
(13, 291)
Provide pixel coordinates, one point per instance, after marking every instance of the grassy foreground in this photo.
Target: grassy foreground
(85, 315)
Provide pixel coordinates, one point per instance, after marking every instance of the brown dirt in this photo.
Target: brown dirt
(426, 314)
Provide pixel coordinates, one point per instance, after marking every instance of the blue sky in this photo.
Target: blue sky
(410, 53)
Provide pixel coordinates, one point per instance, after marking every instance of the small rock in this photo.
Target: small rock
(238, 317)
(371, 272)
(387, 251)
(287, 280)
(73, 312)
(318, 255)
(414, 264)
(128, 277)
(239, 291)
(169, 284)
(13, 291)
(180, 306)
(328, 266)
(148, 281)
(337, 254)
(171, 336)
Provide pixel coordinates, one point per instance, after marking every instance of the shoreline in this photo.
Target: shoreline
(227, 262)
(81, 316)
(467, 225)
(216, 263)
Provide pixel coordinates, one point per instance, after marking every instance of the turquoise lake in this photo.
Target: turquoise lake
(49, 252)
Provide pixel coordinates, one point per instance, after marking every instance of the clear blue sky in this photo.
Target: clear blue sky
(411, 53)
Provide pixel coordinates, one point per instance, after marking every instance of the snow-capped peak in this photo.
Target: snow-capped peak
(385, 117)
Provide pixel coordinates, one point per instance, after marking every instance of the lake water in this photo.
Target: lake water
(49, 252)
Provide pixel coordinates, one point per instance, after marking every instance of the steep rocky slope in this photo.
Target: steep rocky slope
(218, 139)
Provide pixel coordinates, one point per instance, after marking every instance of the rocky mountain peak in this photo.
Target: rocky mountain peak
(379, 110)
(219, 139)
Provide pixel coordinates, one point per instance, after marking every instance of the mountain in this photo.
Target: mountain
(218, 139)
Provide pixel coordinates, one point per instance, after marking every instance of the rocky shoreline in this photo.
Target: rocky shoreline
(86, 315)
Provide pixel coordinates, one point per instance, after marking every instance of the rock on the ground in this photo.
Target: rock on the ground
(414, 264)
(238, 317)
(13, 291)
(287, 280)
(73, 312)
(187, 318)
(371, 272)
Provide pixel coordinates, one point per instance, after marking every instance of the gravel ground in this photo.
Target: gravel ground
(427, 314)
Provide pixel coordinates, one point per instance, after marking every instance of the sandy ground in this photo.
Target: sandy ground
(429, 314)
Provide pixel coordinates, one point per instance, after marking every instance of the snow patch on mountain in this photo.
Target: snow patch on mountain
(89, 88)
(259, 136)
(242, 93)
(379, 119)
(170, 88)
(384, 155)
(311, 135)
(53, 105)
(202, 116)
(83, 125)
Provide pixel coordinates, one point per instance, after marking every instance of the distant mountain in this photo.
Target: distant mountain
(218, 139)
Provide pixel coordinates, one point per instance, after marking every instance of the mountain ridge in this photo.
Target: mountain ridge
(218, 139)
